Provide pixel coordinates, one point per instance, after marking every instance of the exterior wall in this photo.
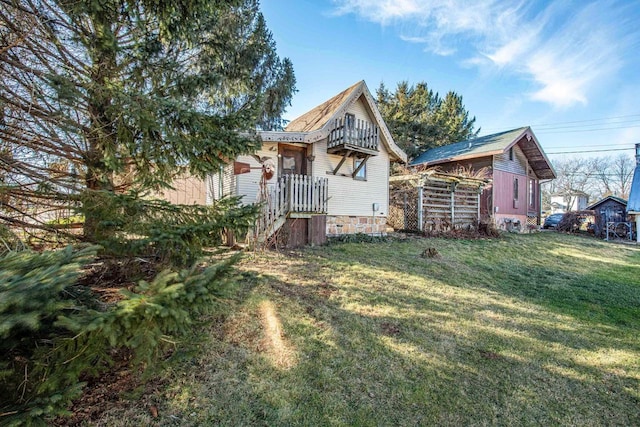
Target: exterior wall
(518, 165)
(581, 203)
(248, 184)
(221, 184)
(359, 110)
(526, 209)
(505, 206)
(343, 224)
(349, 196)
(188, 190)
(576, 203)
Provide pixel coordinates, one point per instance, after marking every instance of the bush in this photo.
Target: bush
(34, 292)
(572, 222)
(358, 238)
(51, 335)
(169, 233)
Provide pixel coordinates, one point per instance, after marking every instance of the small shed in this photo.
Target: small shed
(434, 201)
(610, 209)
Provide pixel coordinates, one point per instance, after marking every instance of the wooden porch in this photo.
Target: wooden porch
(292, 196)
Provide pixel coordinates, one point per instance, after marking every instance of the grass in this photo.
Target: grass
(539, 329)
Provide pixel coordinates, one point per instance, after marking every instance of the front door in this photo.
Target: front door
(292, 160)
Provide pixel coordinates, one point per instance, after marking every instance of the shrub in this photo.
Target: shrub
(51, 335)
(34, 292)
(572, 222)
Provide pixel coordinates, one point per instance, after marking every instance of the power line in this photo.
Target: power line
(591, 151)
(543, 131)
(587, 146)
(601, 119)
(550, 127)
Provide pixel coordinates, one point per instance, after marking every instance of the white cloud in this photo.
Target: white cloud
(562, 48)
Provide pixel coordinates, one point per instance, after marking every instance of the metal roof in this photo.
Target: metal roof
(599, 202)
(490, 145)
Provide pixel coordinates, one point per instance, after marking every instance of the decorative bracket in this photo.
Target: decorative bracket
(346, 155)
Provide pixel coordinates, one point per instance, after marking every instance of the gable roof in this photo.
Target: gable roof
(601, 201)
(490, 145)
(315, 124)
(319, 116)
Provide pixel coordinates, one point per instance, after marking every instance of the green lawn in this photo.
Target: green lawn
(539, 329)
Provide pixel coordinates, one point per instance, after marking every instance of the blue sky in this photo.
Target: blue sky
(569, 69)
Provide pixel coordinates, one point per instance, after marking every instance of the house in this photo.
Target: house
(516, 164)
(325, 174)
(633, 205)
(569, 201)
(610, 209)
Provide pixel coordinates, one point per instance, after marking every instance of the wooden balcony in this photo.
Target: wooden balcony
(355, 136)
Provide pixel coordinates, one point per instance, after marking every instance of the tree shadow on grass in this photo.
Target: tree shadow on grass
(387, 348)
(370, 369)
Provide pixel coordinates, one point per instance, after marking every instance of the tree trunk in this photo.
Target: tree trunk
(101, 139)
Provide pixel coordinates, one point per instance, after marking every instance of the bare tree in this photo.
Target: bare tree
(598, 177)
(612, 175)
(573, 175)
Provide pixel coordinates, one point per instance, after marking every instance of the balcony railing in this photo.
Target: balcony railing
(361, 136)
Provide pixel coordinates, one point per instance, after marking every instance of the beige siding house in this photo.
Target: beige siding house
(325, 174)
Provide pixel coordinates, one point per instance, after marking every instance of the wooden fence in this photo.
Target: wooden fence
(434, 202)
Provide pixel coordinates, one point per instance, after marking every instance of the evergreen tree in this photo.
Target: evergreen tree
(419, 119)
(106, 97)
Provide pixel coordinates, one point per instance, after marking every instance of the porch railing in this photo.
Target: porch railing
(361, 134)
(292, 194)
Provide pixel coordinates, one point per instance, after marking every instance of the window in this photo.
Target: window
(532, 193)
(349, 121)
(288, 165)
(515, 188)
(362, 173)
(511, 153)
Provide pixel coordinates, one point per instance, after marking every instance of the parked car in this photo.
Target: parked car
(552, 220)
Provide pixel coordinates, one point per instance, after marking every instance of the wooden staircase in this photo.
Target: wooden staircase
(291, 195)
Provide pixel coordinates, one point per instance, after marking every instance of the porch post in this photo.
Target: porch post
(420, 224)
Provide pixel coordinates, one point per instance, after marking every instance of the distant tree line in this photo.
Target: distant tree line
(419, 118)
